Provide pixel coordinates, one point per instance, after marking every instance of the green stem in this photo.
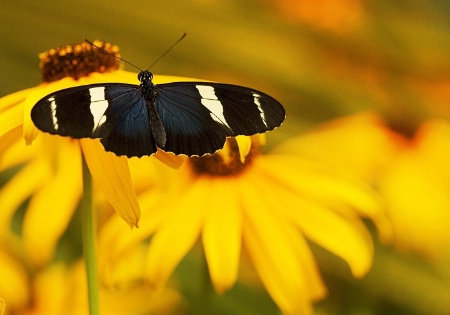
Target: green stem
(203, 300)
(89, 231)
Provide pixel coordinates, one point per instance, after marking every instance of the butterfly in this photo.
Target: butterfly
(189, 118)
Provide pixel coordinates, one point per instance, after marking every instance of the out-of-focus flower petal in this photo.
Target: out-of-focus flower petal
(13, 99)
(116, 241)
(184, 225)
(8, 140)
(360, 145)
(416, 188)
(2, 306)
(10, 119)
(51, 208)
(221, 236)
(313, 181)
(13, 281)
(27, 181)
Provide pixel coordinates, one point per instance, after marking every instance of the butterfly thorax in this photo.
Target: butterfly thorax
(146, 77)
(148, 91)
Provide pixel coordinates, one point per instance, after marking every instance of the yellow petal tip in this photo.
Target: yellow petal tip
(170, 159)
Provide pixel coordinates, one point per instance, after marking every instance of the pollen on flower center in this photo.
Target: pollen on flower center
(226, 162)
(78, 60)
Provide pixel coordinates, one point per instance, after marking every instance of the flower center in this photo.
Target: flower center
(78, 60)
(226, 162)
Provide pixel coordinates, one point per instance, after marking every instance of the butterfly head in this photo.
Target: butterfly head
(145, 77)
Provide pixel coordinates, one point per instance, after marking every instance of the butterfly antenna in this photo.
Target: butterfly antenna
(107, 52)
(167, 51)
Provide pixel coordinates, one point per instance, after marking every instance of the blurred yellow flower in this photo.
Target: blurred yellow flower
(412, 175)
(59, 288)
(263, 206)
(13, 279)
(417, 192)
(50, 175)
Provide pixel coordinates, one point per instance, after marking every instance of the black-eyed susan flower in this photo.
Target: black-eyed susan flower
(240, 202)
(60, 288)
(415, 185)
(411, 173)
(51, 172)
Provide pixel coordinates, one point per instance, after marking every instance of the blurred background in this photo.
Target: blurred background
(322, 59)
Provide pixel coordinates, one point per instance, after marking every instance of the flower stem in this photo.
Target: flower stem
(203, 301)
(89, 231)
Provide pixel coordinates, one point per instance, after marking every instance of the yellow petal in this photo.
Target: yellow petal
(177, 234)
(345, 237)
(13, 99)
(54, 279)
(128, 298)
(224, 153)
(341, 232)
(14, 285)
(221, 234)
(112, 177)
(2, 306)
(29, 179)
(128, 268)
(280, 255)
(52, 207)
(116, 240)
(8, 140)
(274, 203)
(170, 159)
(360, 144)
(418, 204)
(17, 152)
(147, 174)
(11, 118)
(312, 180)
(244, 144)
(431, 145)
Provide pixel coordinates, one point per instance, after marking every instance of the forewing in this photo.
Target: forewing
(114, 112)
(67, 113)
(198, 116)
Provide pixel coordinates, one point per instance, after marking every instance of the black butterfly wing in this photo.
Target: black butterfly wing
(130, 131)
(114, 112)
(198, 116)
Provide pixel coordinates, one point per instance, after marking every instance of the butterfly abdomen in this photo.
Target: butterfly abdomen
(156, 125)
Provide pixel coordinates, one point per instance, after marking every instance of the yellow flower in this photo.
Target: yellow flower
(412, 175)
(59, 288)
(50, 172)
(416, 188)
(264, 207)
(14, 288)
(358, 145)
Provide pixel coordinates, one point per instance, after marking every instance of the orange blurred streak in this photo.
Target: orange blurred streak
(340, 16)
